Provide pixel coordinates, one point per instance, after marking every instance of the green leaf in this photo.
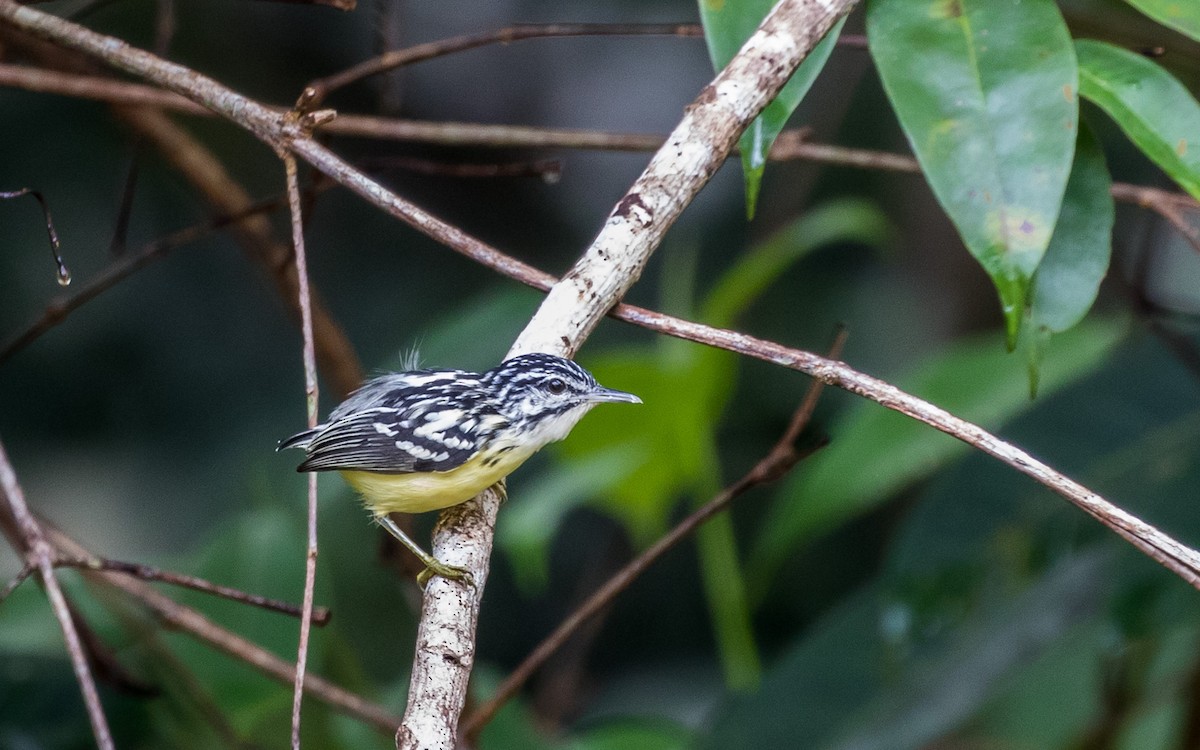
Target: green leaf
(1154, 109)
(727, 26)
(876, 452)
(986, 93)
(1181, 15)
(1069, 277)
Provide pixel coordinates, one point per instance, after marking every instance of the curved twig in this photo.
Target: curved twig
(393, 59)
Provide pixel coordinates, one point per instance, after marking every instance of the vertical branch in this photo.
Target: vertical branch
(37, 548)
(692, 154)
(310, 390)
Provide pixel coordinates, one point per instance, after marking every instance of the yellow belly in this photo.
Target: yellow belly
(417, 493)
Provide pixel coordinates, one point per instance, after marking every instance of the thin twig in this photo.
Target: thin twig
(346, 5)
(39, 552)
(311, 397)
(548, 170)
(321, 615)
(778, 461)
(393, 59)
(26, 570)
(62, 274)
(1170, 206)
(58, 310)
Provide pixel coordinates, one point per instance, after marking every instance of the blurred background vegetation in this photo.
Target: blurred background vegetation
(893, 591)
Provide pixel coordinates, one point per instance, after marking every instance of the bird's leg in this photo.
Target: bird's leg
(501, 488)
(433, 566)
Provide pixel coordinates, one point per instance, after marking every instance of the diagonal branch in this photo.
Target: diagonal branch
(41, 554)
(693, 152)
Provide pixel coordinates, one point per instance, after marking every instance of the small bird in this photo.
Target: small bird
(422, 440)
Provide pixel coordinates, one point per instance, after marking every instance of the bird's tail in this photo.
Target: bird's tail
(299, 440)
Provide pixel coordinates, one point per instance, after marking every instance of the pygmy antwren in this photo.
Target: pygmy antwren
(428, 439)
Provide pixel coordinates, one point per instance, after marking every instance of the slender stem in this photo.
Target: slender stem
(321, 615)
(39, 552)
(393, 59)
(311, 393)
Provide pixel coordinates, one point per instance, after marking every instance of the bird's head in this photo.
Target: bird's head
(547, 395)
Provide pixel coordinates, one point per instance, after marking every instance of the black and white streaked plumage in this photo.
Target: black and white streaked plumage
(427, 439)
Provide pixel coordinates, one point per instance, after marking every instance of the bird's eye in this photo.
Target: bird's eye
(556, 385)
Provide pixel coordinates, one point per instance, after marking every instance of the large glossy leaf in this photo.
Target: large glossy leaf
(1069, 277)
(1181, 15)
(727, 26)
(1154, 109)
(986, 93)
(875, 452)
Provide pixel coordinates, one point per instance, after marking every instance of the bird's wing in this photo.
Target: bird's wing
(385, 439)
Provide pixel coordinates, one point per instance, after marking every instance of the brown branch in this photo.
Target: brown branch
(38, 552)
(346, 5)
(321, 615)
(548, 170)
(792, 145)
(311, 394)
(393, 59)
(778, 461)
(1170, 206)
(27, 569)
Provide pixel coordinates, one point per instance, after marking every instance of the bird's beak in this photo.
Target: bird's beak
(608, 395)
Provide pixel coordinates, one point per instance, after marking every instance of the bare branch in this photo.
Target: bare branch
(548, 170)
(346, 5)
(696, 148)
(39, 552)
(1170, 206)
(142, 572)
(322, 87)
(311, 393)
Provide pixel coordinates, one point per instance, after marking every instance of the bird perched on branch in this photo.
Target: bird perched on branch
(424, 440)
